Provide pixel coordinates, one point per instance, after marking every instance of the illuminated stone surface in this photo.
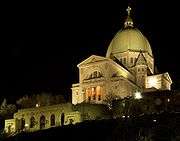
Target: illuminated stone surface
(127, 68)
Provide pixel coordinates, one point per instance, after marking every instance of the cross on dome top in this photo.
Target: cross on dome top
(128, 10)
(129, 21)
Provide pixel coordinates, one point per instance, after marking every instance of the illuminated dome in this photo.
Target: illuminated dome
(129, 38)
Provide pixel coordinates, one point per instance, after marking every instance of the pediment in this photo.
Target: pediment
(92, 59)
(166, 75)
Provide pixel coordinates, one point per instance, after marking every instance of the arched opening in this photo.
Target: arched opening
(9, 129)
(32, 122)
(52, 120)
(22, 123)
(62, 119)
(42, 122)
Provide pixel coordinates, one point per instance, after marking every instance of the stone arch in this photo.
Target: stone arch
(42, 122)
(52, 120)
(62, 119)
(32, 122)
(22, 123)
(92, 71)
(94, 74)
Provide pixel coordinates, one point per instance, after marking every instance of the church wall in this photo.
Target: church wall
(121, 87)
(47, 112)
(94, 91)
(108, 70)
(131, 56)
(10, 125)
(150, 62)
(86, 71)
(90, 81)
(77, 96)
(141, 75)
(166, 85)
(154, 81)
(92, 111)
(128, 55)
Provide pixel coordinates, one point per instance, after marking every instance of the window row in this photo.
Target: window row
(42, 121)
(95, 74)
(94, 93)
(142, 69)
(124, 60)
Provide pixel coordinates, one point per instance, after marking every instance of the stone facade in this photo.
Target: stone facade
(33, 119)
(128, 68)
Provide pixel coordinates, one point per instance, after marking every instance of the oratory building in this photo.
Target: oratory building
(127, 68)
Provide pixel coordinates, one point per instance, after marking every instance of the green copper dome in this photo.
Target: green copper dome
(129, 39)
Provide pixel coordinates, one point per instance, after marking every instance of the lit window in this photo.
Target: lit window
(99, 97)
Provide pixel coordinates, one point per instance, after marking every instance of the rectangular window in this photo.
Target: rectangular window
(124, 60)
(121, 60)
(131, 60)
(89, 98)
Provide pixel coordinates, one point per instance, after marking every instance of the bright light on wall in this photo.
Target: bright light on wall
(152, 81)
(37, 105)
(137, 95)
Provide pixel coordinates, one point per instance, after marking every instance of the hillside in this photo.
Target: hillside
(157, 127)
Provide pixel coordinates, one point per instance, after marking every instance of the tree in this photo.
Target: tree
(7, 110)
(110, 98)
(43, 99)
(4, 104)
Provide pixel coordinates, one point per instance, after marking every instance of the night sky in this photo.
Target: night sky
(42, 43)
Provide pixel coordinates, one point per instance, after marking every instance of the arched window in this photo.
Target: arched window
(22, 123)
(94, 97)
(32, 122)
(42, 122)
(89, 98)
(62, 119)
(52, 120)
(95, 74)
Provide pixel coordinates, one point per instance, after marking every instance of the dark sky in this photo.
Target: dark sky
(42, 43)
